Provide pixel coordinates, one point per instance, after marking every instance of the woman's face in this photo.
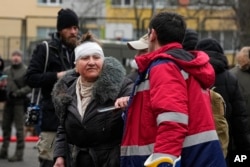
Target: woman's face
(89, 67)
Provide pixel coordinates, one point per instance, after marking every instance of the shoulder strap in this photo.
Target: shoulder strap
(157, 62)
(47, 55)
(45, 68)
(61, 58)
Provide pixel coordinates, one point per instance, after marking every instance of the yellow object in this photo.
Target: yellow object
(158, 161)
(221, 124)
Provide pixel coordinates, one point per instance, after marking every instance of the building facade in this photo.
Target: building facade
(24, 22)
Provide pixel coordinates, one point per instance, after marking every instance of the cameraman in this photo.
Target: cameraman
(61, 58)
(14, 106)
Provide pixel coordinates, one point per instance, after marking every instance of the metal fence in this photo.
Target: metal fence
(9, 44)
(118, 50)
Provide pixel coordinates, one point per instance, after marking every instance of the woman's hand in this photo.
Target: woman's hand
(59, 162)
(122, 102)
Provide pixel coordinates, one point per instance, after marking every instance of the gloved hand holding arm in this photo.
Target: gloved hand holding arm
(161, 161)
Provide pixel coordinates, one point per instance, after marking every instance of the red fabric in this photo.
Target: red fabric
(167, 93)
(27, 139)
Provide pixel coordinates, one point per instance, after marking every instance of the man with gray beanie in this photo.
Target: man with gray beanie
(61, 58)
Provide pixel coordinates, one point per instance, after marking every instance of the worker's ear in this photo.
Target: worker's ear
(152, 35)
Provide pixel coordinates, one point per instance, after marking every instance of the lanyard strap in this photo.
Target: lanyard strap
(45, 67)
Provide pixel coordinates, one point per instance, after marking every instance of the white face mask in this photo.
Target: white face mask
(133, 64)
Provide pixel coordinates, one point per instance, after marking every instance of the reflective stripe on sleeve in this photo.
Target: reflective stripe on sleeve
(142, 151)
(137, 150)
(184, 74)
(172, 117)
(200, 138)
(142, 86)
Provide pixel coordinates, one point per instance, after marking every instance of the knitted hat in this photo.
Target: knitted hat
(209, 44)
(190, 40)
(17, 53)
(215, 51)
(140, 44)
(66, 18)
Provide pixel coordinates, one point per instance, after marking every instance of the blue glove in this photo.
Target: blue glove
(164, 164)
(177, 162)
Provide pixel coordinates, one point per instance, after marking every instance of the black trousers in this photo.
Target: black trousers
(45, 163)
(13, 114)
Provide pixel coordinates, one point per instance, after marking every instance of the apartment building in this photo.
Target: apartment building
(24, 21)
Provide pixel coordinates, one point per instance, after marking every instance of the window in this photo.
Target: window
(144, 3)
(122, 2)
(230, 40)
(116, 2)
(44, 32)
(170, 3)
(212, 2)
(50, 2)
(127, 2)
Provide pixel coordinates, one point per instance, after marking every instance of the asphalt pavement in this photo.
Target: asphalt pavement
(30, 158)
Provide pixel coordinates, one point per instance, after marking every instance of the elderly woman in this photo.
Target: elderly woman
(93, 136)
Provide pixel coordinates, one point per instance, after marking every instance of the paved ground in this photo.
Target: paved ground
(30, 153)
(29, 160)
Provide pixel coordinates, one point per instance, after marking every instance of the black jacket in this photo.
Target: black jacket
(97, 135)
(228, 86)
(35, 77)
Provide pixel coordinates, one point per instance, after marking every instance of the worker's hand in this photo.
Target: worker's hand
(61, 74)
(122, 102)
(59, 162)
(12, 95)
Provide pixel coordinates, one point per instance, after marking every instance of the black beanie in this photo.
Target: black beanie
(66, 18)
(209, 44)
(190, 39)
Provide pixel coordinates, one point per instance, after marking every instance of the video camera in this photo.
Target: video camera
(32, 115)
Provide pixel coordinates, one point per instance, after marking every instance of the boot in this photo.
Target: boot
(18, 156)
(3, 154)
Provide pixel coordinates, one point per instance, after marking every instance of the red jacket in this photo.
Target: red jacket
(170, 113)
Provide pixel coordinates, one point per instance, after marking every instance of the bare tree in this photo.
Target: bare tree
(138, 13)
(89, 11)
(243, 23)
(241, 17)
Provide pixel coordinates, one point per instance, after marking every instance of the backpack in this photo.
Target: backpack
(218, 108)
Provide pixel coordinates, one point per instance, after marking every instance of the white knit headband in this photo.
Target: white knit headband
(88, 48)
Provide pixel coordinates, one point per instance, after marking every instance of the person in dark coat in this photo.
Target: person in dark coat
(227, 85)
(1, 64)
(190, 39)
(3, 81)
(94, 136)
(13, 113)
(61, 58)
(242, 72)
